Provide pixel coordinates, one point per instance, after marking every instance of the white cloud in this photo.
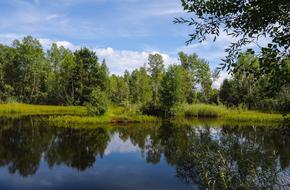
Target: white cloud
(222, 76)
(121, 60)
(8, 38)
(117, 60)
(46, 43)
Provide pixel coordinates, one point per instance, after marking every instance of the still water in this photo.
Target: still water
(34, 156)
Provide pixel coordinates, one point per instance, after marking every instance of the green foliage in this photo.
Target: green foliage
(98, 102)
(59, 76)
(247, 21)
(120, 91)
(255, 93)
(85, 74)
(156, 71)
(140, 89)
(198, 75)
(62, 77)
(27, 71)
(174, 87)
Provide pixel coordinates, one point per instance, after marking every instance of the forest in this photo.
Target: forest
(215, 115)
(58, 76)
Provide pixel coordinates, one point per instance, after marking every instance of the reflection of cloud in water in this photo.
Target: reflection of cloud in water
(118, 145)
(215, 133)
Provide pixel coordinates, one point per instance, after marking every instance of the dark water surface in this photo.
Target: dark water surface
(33, 156)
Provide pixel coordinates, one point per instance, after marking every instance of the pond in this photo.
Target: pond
(35, 156)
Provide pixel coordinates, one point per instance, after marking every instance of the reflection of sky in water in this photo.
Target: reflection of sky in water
(138, 158)
(121, 167)
(114, 171)
(117, 145)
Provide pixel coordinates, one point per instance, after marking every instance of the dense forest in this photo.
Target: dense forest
(59, 76)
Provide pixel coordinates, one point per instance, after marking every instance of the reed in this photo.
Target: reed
(201, 110)
(227, 114)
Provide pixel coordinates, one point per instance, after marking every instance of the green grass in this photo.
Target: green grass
(115, 115)
(65, 121)
(253, 116)
(29, 109)
(226, 114)
(77, 115)
(201, 110)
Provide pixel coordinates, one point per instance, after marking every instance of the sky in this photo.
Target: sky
(124, 32)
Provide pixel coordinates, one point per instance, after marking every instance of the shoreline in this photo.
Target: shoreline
(76, 115)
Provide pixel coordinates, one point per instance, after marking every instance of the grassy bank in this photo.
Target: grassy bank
(227, 114)
(75, 115)
(115, 115)
(29, 109)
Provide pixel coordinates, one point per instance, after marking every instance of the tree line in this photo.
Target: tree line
(60, 76)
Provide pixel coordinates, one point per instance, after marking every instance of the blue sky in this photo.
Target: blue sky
(122, 31)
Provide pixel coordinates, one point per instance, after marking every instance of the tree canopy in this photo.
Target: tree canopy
(245, 20)
(59, 76)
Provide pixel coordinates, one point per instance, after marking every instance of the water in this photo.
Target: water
(33, 156)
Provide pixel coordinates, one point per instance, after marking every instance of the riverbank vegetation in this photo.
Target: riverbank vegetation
(69, 116)
(79, 85)
(30, 110)
(203, 111)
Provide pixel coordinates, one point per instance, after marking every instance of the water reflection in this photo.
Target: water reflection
(228, 157)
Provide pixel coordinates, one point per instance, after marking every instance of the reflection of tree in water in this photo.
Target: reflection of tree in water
(145, 137)
(246, 158)
(77, 148)
(220, 158)
(234, 158)
(22, 146)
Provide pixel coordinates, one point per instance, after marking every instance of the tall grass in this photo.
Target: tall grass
(254, 116)
(28, 109)
(115, 115)
(221, 112)
(76, 115)
(201, 110)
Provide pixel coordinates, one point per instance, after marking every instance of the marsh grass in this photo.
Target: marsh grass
(115, 115)
(227, 114)
(77, 115)
(201, 110)
(29, 109)
(254, 116)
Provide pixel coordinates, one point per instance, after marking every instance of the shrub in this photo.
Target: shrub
(152, 109)
(98, 102)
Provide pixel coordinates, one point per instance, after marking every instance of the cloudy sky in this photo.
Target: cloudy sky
(122, 31)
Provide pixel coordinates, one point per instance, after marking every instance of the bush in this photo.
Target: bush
(6, 94)
(98, 102)
(152, 109)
